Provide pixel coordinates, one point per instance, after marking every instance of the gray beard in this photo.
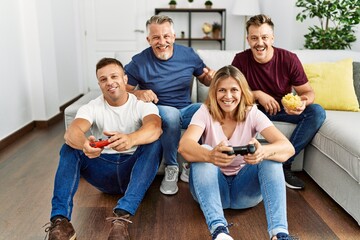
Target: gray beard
(163, 56)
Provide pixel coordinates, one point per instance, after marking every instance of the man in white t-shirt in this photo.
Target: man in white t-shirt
(127, 165)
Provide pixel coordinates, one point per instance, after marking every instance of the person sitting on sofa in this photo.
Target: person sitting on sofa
(127, 165)
(220, 181)
(163, 73)
(272, 73)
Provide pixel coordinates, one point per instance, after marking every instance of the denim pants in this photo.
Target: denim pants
(130, 175)
(215, 191)
(173, 120)
(308, 123)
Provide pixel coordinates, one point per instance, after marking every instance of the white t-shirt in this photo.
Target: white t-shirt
(255, 121)
(125, 119)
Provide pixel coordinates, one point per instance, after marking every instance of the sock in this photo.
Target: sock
(121, 212)
(287, 167)
(54, 218)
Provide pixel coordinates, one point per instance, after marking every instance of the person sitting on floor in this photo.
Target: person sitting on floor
(219, 180)
(127, 165)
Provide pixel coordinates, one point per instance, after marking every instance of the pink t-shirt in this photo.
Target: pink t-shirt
(255, 121)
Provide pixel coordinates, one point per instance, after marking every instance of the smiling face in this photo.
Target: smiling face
(161, 38)
(228, 95)
(112, 82)
(261, 39)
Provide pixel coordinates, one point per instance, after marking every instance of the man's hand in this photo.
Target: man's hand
(272, 107)
(146, 95)
(207, 76)
(119, 141)
(298, 110)
(91, 152)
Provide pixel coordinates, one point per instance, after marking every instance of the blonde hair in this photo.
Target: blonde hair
(246, 100)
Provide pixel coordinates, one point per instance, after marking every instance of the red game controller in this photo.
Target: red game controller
(100, 143)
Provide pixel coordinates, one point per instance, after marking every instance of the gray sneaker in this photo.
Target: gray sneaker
(169, 183)
(185, 172)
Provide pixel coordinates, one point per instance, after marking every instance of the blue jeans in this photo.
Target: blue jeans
(308, 123)
(126, 174)
(215, 191)
(173, 120)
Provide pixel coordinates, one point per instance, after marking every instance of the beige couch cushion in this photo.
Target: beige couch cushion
(339, 140)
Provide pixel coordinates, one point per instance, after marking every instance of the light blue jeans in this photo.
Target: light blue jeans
(215, 191)
(126, 174)
(173, 120)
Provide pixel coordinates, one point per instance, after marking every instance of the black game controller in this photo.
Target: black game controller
(242, 150)
(100, 143)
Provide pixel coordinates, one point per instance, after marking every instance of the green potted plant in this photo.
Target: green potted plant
(337, 20)
(216, 30)
(172, 4)
(190, 3)
(208, 4)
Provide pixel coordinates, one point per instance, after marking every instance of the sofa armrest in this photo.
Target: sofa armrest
(70, 111)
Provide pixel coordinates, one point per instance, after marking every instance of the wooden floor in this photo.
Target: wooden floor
(27, 171)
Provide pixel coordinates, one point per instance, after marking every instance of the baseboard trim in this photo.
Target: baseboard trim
(44, 124)
(16, 135)
(62, 107)
(36, 124)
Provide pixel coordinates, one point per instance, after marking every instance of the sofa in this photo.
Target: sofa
(332, 159)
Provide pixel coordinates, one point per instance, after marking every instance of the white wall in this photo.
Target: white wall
(14, 91)
(42, 51)
(39, 60)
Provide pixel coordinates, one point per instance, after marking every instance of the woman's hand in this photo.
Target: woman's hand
(258, 156)
(218, 157)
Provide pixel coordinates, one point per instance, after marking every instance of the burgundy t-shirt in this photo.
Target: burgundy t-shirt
(275, 77)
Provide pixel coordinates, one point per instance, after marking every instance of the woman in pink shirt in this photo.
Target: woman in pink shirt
(219, 181)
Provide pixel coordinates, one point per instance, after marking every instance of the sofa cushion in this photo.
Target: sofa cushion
(214, 59)
(71, 110)
(339, 140)
(333, 84)
(356, 73)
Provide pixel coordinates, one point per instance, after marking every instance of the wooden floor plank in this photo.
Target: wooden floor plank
(27, 170)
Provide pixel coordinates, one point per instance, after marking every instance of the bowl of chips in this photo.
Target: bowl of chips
(291, 101)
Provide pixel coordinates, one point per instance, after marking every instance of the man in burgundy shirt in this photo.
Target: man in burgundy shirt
(272, 73)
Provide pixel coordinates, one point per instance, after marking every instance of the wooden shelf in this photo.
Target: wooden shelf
(219, 10)
(190, 11)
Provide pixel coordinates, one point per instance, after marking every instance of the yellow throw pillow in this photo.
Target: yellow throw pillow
(333, 84)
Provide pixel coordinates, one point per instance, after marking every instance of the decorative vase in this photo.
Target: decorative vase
(216, 34)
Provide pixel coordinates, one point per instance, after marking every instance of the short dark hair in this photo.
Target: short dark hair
(106, 61)
(258, 20)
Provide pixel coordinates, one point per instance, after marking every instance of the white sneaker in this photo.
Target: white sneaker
(169, 183)
(185, 172)
(223, 236)
(221, 233)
